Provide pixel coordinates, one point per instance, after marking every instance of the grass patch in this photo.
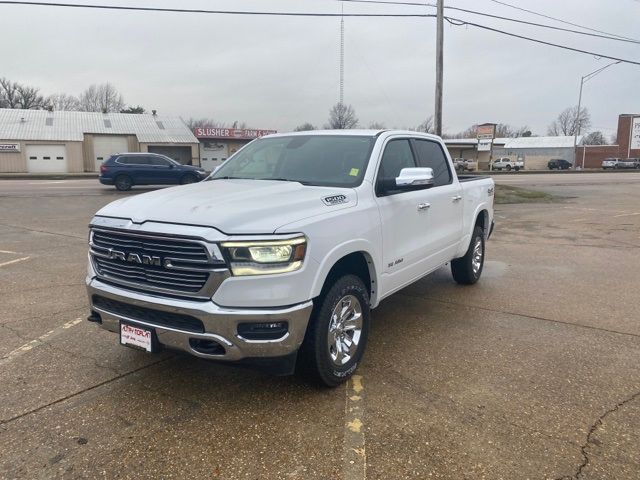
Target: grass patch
(508, 194)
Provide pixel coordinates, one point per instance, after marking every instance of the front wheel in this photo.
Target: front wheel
(467, 270)
(508, 168)
(337, 332)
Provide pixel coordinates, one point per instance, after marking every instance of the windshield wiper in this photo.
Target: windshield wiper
(230, 178)
(286, 180)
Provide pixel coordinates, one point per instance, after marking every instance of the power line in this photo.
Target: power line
(459, 22)
(453, 21)
(216, 12)
(559, 19)
(499, 17)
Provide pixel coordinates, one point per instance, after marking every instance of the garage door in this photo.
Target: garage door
(106, 145)
(46, 158)
(179, 154)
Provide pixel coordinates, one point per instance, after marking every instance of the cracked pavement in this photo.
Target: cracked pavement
(532, 373)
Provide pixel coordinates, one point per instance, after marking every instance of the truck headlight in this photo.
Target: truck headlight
(264, 257)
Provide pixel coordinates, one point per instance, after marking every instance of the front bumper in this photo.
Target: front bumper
(220, 323)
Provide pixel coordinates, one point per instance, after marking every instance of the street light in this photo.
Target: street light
(576, 132)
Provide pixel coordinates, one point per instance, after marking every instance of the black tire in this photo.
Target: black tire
(517, 169)
(315, 358)
(462, 268)
(123, 183)
(188, 178)
(508, 168)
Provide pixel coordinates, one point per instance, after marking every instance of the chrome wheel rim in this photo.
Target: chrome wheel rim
(476, 259)
(345, 330)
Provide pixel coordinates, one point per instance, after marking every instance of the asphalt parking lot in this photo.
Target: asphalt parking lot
(532, 373)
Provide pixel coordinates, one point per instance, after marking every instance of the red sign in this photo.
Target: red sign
(230, 133)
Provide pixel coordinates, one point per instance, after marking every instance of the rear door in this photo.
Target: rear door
(141, 169)
(444, 215)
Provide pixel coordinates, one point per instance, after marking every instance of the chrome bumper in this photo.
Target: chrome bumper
(220, 324)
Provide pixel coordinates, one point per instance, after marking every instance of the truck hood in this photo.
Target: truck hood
(233, 206)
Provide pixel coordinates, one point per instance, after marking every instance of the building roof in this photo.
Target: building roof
(520, 142)
(18, 124)
(541, 142)
(473, 141)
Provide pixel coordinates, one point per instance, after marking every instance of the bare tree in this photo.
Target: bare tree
(9, 95)
(30, 98)
(63, 102)
(595, 138)
(131, 109)
(569, 122)
(101, 98)
(204, 123)
(342, 117)
(304, 127)
(427, 126)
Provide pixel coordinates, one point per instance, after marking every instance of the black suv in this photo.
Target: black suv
(559, 164)
(127, 169)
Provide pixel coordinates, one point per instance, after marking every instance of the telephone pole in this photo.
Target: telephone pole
(439, 44)
(342, 57)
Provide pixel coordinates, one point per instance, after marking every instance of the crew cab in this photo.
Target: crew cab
(505, 163)
(278, 257)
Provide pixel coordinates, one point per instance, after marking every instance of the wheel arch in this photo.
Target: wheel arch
(358, 262)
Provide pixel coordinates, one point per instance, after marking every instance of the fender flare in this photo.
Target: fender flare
(340, 251)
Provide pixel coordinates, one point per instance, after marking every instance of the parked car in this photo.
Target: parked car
(279, 256)
(628, 163)
(463, 164)
(125, 170)
(505, 163)
(610, 163)
(559, 164)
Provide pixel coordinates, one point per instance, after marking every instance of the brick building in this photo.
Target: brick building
(591, 156)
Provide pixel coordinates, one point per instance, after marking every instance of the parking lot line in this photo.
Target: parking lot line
(9, 252)
(14, 261)
(355, 456)
(38, 341)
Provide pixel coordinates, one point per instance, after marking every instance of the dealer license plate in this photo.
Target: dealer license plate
(136, 337)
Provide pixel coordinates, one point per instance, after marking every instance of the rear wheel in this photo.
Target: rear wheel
(467, 270)
(517, 169)
(188, 178)
(337, 332)
(123, 183)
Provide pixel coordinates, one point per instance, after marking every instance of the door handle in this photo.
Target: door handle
(456, 198)
(423, 206)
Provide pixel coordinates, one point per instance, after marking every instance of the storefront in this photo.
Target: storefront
(218, 144)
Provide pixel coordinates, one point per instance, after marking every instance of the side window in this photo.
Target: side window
(430, 155)
(397, 155)
(124, 160)
(158, 161)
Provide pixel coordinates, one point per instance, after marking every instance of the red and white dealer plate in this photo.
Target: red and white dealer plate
(138, 337)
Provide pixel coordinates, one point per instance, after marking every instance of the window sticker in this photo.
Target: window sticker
(354, 172)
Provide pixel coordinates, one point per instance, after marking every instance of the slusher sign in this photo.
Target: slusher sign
(9, 147)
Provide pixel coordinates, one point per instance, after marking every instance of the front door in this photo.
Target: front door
(404, 217)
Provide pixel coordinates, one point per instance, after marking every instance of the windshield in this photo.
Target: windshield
(324, 160)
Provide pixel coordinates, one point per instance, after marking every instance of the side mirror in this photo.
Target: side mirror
(414, 178)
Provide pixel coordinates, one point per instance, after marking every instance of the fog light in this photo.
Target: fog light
(263, 331)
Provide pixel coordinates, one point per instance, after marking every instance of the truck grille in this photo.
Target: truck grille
(152, 262)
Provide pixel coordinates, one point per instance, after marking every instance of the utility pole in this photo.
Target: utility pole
(342, 57)
(439, 44)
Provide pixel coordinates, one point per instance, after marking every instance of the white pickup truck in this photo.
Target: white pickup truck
(279, 256)
(505, 163)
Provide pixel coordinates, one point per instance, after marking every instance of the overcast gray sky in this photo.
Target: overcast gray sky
(278, 72)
